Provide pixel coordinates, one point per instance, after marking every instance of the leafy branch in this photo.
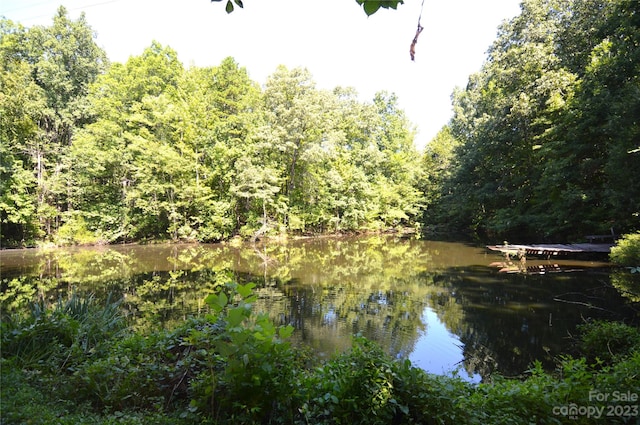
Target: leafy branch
(370, 6)
(229, 7)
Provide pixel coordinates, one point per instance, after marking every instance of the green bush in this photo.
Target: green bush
(75, 232)
(366, 386)
(512, 401)
(608, 341)
(256, 378)
(233, 366)
(24, 401)
(59, 336)
(628, 284)
(428, 398)
(43, 337)
(626, 252)
(355, 388)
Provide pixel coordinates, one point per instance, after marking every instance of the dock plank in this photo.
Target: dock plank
(553, 249)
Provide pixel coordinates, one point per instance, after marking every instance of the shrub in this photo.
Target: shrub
(608, 341)
(255, 381)
(42, 339)
(355, 388)
(428, 398)
(512, 401)
(626, 252)
(233, 366)
(366, 386)
(56, 338)
(75, 232)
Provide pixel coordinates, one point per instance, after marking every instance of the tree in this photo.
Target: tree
(223, 104)
(20, 99)
(256, 182)
(587, 182)
(437, 169)
(397, 172)
(130, 151)
(99, 152)
(602, 122)
(165, 148)
(547, 127)
(46, 72)
(294, 112)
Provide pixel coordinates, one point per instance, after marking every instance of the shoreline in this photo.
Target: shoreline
(402, 231)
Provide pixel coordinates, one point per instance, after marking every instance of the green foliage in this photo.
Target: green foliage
(437, 169)
(356, 387)
(257, 380)
(365, 386)
(547, 128)
(46, 73)
(608, 341)
(233, 366)
(75, 232)
(372, 6)
(229, 6)
(626, 252)
(508, 401)
(58, 338)
(149, 150)
(628, 284)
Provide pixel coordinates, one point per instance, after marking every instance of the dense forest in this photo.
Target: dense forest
(543, 143)
(544, 140)
(98, 152)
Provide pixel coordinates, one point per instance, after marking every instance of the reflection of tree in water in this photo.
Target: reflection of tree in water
(628, 284)
(327, 316)
(332, 288)
(350, 285)
(502, 320)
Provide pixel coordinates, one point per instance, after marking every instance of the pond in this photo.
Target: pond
(445, 306)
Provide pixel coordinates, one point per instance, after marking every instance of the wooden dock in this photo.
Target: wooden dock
(549, 250)
(523, 268)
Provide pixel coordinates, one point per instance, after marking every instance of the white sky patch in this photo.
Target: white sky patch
(334, 39)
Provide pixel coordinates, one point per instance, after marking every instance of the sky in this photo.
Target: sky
(333, 39)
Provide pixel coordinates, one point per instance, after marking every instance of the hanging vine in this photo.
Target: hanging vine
(412, 49)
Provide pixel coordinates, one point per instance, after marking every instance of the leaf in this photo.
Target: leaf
(371, 7)
(285, 331)
(250, 300)
(236, 316)
(217, 301)
(245, 290)
(239, 338)
(229, 7)
(239, 3)
(393, 4)
(223, 299)
(225, 349)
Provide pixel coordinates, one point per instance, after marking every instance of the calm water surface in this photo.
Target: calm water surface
(445, 306)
